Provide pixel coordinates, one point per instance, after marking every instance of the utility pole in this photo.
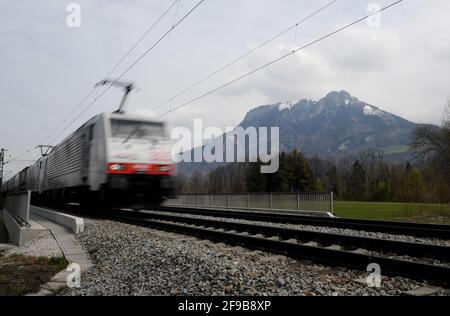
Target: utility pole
(2, 162)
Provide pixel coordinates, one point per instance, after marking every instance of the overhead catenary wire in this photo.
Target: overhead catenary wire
(19, 155)
(176, 13)
(295, 37)
(16, 149)
(234, 61)
(130, 50)
(122, 74)
(142, 37)
(132, 65)
(280, 58)
(23, 160)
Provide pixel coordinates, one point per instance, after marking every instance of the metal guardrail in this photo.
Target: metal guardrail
(301, 201)
(18, 204)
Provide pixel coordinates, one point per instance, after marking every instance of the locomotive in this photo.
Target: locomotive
(114, 159)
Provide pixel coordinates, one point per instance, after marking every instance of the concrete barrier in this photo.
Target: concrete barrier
(18, 203)
(18, 234)
(76, 224)
(16, 218)
(3, 231)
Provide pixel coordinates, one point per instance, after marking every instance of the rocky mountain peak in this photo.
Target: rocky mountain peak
(340, 98)
(335, 123)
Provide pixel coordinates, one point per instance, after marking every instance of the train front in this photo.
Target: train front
(139, 165)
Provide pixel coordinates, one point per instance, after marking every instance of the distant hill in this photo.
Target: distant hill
(335, 125)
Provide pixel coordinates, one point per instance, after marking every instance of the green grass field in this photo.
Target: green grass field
(412, 212)
(21, 274)
(396, 149)
(393, 211)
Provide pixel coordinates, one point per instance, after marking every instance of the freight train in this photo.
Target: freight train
(114, 159)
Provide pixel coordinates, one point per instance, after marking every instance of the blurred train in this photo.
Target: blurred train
(114, 159)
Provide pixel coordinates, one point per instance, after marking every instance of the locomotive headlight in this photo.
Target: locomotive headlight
(164, 168)
(117, 167)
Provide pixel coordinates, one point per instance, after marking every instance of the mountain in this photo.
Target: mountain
(333, 126)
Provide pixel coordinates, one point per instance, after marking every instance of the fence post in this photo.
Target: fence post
(270, 200)
(298, 201)
(331, 203)
(227, 201)
(248, 200)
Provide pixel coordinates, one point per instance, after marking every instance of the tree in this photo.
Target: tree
(434, 142)
(282, 179)
(217, 180)
(181, 183)
(357, 182)
(332, 175)
(236, 177)
(302, 177)
(197, 182)
(318, 185)
(381, 191)
(415, 185)
(255, 180)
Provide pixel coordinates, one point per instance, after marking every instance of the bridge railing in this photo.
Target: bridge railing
(18, 205)
(298, 201)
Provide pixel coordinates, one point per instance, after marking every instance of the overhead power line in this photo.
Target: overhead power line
(115, 66)
(143, 36)
(280, 58)
(19, 155)
(132, 65)
(16, 149)
(294, 26)
(23, 160)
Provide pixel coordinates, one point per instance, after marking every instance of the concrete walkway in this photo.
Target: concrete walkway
(71, 249)
(66, 240)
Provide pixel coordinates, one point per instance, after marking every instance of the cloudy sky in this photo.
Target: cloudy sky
(47, 68)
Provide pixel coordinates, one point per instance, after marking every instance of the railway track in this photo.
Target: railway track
(390, 227)
(326, 248)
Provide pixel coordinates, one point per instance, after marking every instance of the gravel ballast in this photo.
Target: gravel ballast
(132, 260)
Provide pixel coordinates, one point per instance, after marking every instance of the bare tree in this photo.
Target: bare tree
(434, 142)
(446, 119)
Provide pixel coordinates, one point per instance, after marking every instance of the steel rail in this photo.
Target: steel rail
(413, 249)
(391, 227)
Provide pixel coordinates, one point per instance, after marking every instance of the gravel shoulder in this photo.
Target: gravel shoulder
(45, 245)
(131, 260)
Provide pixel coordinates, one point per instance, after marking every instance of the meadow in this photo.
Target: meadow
(394, 211)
